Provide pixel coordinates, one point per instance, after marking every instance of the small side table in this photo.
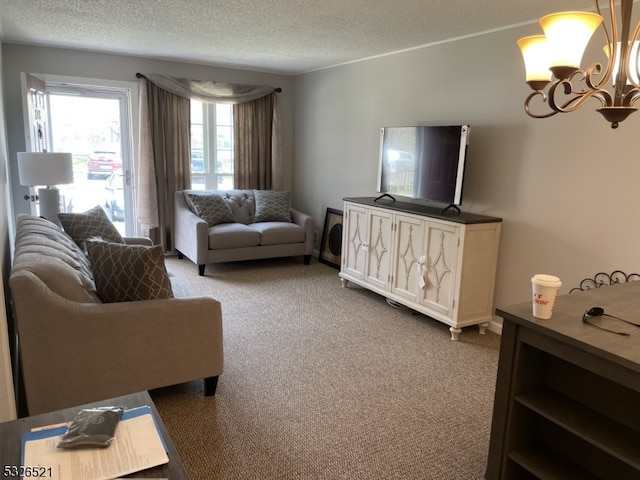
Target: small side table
(11, 435)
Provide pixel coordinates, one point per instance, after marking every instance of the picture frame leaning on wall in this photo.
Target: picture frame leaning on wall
(331, 244)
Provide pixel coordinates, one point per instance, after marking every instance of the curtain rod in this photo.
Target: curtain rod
(140, 75)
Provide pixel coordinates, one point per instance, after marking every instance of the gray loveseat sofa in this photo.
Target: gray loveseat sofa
(76, 349)
(214, 226)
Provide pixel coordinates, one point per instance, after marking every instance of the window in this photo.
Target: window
(211, 146)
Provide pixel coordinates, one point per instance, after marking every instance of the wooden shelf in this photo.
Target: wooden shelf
(566, 395)
(615, 439)
(546, 464)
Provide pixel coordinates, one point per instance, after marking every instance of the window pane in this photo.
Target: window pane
(224, 114)
(225, 182)
(211, 146)
(196, 112)
(225, 158)
(197, 182)
(197, 141)
(225, 138)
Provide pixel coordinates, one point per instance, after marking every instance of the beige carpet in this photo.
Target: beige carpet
(323, 382)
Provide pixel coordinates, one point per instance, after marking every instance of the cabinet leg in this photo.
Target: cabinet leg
(455, 333)
(483, 328)
(344, 282)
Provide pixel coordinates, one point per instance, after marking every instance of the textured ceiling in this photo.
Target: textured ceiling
(280, 36)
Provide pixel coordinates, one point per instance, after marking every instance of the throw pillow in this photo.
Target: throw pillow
(211, 208)
(92, 223)
(272, 206)
(124, 273)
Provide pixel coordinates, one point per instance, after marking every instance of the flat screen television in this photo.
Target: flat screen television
(423, 162)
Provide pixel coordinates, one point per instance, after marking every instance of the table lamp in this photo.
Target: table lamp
(48, 170)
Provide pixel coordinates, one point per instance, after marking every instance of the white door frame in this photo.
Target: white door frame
(129, 124)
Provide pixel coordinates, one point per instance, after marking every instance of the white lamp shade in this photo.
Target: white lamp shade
(535, 53)
(633, 66)
(44, 168)
(568, 34)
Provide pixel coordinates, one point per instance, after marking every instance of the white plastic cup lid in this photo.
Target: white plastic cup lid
(546, 280)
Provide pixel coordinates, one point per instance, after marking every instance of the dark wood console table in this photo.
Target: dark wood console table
(11, 435)
(567, 393)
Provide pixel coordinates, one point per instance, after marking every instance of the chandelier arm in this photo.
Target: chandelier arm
(591, 72)
(588, 77)
(631, 97)
(609, 40)
(528, 111)
(579, 98)
(622, 55)
(635, 61)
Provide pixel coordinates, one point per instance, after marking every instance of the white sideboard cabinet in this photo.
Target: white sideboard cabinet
(442, 264)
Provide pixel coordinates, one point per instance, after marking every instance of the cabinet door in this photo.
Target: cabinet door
(378, 248)
(441, 264)
(409, 247)
(354, 240)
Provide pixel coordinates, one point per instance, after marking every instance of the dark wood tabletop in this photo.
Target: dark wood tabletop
(566, 323)
(11, 435)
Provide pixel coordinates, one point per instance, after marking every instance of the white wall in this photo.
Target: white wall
(566, 187)
(122, 68)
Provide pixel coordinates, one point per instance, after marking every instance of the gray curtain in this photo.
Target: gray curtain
(164, 161)
(255, 151)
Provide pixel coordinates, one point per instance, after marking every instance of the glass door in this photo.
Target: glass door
(93, 123)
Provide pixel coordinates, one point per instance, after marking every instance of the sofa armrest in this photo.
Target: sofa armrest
(306, 222)
(75, 353)
(138, 241)
(191, 233)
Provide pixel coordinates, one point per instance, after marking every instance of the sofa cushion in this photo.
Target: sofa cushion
(90, 224)
(43, 249)
(233, 235)
(124, 273)
(279, 233)
(272, 206)
(211, 208)
(242, 203)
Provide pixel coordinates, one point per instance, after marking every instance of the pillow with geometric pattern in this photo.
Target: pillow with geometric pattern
(90, 224)
(211, 208)
(125, 273)
(272, 206)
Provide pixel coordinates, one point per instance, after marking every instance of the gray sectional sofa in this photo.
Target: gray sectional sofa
(213, 226)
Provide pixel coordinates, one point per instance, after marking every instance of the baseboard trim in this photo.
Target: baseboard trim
(495, 327)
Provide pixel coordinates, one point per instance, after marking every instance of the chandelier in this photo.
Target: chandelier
(553, 60)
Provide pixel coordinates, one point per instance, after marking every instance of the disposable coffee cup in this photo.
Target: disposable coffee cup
(545, 291)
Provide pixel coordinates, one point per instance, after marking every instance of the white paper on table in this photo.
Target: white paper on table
(137, 446)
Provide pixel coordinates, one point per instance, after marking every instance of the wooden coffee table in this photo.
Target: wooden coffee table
(11, 435)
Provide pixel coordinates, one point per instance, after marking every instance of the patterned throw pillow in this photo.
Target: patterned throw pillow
(124, 273)
(90, 224)
(272, 206)
(211, 208)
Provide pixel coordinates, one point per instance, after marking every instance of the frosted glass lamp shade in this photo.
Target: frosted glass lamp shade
(536, 60)
(633, 67)
(44, 168)
(568, 34)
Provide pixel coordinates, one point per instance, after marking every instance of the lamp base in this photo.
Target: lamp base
(49, 199)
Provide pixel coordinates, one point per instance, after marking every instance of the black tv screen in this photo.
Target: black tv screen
(423, 162)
